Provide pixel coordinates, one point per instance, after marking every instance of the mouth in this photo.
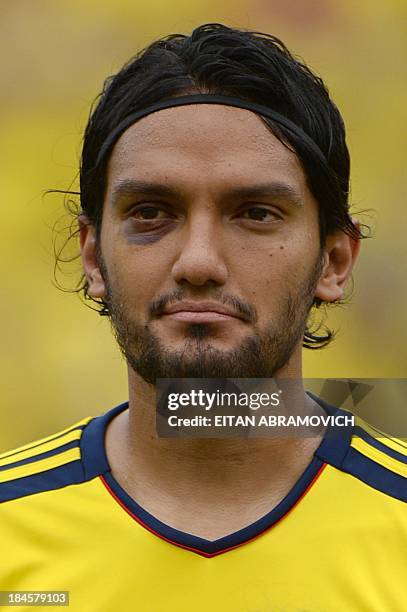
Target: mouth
(200, 312)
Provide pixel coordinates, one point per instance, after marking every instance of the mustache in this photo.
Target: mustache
(245, 310)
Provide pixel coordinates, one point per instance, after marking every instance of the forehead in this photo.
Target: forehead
(202, 142)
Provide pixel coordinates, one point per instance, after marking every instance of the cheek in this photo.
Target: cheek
(137, 272)
(267, 274)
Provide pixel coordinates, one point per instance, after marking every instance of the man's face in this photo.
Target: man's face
(209, 254)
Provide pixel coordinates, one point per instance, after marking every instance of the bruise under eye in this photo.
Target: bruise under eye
(147, 225)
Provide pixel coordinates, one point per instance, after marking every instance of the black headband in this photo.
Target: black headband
(289, 126)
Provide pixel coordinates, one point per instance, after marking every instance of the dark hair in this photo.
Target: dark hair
(252, 66)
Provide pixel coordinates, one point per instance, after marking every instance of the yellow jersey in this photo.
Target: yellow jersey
(336, 543)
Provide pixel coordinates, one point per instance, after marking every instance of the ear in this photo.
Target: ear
(340, 253)
(87, 241)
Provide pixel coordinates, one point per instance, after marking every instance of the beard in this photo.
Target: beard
(260, 355)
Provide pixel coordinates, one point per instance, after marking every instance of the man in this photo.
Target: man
(214, 186)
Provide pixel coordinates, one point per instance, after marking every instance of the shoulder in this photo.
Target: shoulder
(378, 459)
(50, 463)
(366, 453)
(370, 455)
(69, 457)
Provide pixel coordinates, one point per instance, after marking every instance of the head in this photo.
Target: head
(214, 208)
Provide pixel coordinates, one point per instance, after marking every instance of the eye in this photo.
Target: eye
(260, 213)
(147, 213)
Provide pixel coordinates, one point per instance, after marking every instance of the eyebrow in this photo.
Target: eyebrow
(275, 189)
(129, 187)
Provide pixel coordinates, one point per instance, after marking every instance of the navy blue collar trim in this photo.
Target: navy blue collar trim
(336, 442)
(332, 450)
(208, 548)
(92, 445)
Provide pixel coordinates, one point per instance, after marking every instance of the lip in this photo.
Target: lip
(190, 311)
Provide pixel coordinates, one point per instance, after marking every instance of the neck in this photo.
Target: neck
(180, 480)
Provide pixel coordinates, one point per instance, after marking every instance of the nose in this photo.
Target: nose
(200, 261)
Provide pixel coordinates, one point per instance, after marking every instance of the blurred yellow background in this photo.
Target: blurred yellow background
(59, 361)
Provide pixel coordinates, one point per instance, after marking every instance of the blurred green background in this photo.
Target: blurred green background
(59, 362)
